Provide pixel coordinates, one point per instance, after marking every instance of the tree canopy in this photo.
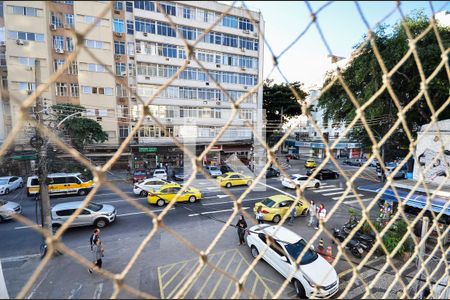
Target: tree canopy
(81, 130)
(278, 101)
(364, 77)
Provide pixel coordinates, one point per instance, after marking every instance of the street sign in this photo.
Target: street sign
(148, 150)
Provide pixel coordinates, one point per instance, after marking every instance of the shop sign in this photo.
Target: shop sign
(215, 148)
(147, 150)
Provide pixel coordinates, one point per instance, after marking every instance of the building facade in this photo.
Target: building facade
(137, 42)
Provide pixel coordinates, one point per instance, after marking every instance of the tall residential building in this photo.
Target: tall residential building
(136, 41)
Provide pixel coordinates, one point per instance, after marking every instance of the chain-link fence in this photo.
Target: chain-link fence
(439, 251)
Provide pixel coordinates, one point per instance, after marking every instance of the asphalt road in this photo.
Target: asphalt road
(131, 226)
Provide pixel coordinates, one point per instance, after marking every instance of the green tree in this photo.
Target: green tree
(81, 130)
(365, 77)
(278, 101)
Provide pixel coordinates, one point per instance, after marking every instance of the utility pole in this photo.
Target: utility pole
(422, 248)
(41, 148)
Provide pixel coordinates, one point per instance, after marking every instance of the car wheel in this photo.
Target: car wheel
(299, 289)
(81, 192)
(55, 227)
(336, 176)
(21, 185)
(1, 219)
(276, 219)
(320, 177)
(249, 183)
(100, 223)
(304, 212)
(355, 253)
(254, 251)
(143, 194)
(278, 174)
(228, 185)
(160, 202)
(192, 199)
(6, 191)
(317, 185)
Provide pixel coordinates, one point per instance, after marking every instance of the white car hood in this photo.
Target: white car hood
(320, 272)
(10, 206)
(3, 186)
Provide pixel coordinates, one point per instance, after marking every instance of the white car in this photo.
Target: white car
(299, 180)
(9, 184)
(314, 274)
(8, 209)
(95, 214)
(142, 188)
(160, 173)
(213, 171)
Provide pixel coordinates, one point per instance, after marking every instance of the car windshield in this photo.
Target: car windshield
(293, 177)
(94, 206)
(296, 249)
(3, 181)
(391, 165)
(83, 178)
(139, 173)
(214, 169)
(3, 202)
(268, 202)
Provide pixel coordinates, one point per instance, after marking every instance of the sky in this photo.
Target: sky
(342, 26)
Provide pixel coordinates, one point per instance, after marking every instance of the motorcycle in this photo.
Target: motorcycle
(355, 247)
(365, 238)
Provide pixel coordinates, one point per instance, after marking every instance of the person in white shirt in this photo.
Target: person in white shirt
(312, 213)
(321, 214)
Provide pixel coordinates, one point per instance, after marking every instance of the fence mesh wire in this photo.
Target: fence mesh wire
(440, 250)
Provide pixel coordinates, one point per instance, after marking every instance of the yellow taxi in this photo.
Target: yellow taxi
(168, 192)
(310, 164)
(232, 179)
(275, 207)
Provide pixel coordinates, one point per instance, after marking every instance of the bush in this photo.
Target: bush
(394, 235)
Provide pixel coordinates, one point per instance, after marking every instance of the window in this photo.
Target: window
(165, 29)
(73, 68)
(118, 26)
(74, 90)
(129, 6)
(24, 11)
(121, 91)
(146, 5)
(109, 91)
(69, 20)
(144, 25)
(89, 19)
(123, 131)
(61, 89)
(188, 33)
(58, 42)
(169, 9)
(96, 68)
(130, 27)
(69, 43)
(26, 86)
(119, 47)
(28, 36)
(245, 24)
(87, 90)
(131, 48)
(93, 44)
(121, 69)
(118, 5)
(188, 13)
(26, 61)
(55, 20)
(230, 21)
(58, 64)
(131, 69)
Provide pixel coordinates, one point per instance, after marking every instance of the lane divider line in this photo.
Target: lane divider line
(214, 212)
(356, 201)
(349, 196)
(329, 190)
(334, 193)
(225, 202)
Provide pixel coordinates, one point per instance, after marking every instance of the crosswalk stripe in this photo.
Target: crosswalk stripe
(334, 193)
(325, 186)
(328, 190)
(356, 201)
(349, 196)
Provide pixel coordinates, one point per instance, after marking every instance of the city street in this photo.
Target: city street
(152, 272)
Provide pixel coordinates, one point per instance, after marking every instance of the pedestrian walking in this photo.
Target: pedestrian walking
(312, 213)
(94, 237)
(241, 227)
(321, 214)
(98, 253)
(259, 215)
(292, 217)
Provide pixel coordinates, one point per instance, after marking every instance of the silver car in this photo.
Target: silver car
(213, 171)
(8, 209)
(9, 184)
(95, 214)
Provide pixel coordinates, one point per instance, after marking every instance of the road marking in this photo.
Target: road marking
(213, 188)
(328, 190)
(3, 290)
(74, 291)
(325, 186)
(274, 188)
(225, 202)
(18, 258)
(348, 196)
(213, 291)
(222, 196)
(214, 212)
(356, 201)
(25, 227)
(38, 285)
(140, 212)
(98, 290)
(331, 194)
(121, 200)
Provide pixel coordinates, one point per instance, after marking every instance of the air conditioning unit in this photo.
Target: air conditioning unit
(245, 87)
(66, 26)
(133, 99)
(20, 42)
(167, 58)
(145, 34)
(119, 34)
(147, 77)
(123, 74)
(207, 83)
(243, 69)
(117, 56)
(255, 34)
(117, 11)
(242, 49)
(29, 92)
(2, 44)
(29, 68)
(218, 65)
(218, 103)
(52, 27)
(169, 120)
(61, 51)
(246, 31)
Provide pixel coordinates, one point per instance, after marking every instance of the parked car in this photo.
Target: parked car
(314, 275)
(139, 175)
(271, 172)
(275, 207)
(168, 192)
(358, 162)
(310, 163)
(293, 156)
(99, 215)
(324, 174)
(233, 179)
(151, 184)
(390, 169)
(61, 184)
(8, 209)
(179, 175)
(213, 171)
(225, 169)
(9, 184)
(159, 173)
(299, 180)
